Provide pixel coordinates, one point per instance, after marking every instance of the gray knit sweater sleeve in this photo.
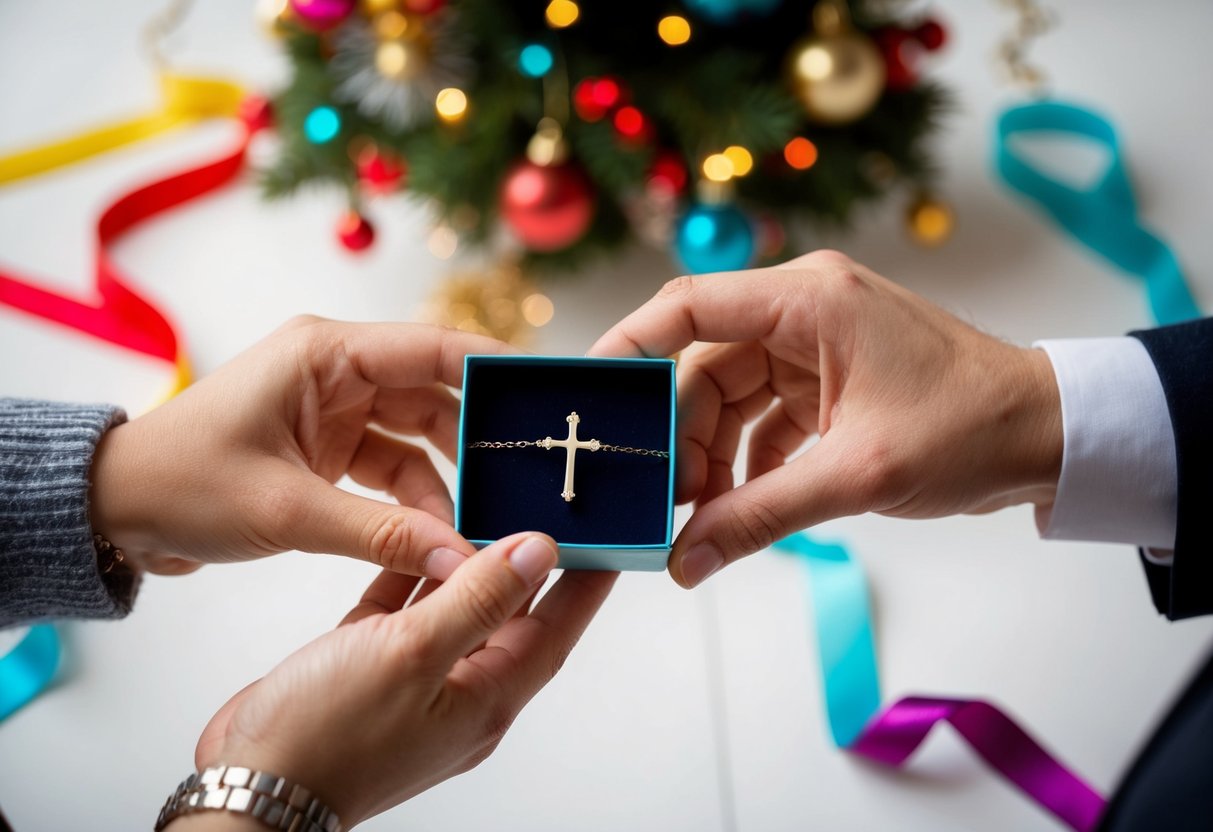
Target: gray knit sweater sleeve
(48, 566)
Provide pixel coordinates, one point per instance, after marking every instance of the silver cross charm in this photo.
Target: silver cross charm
(571, 445)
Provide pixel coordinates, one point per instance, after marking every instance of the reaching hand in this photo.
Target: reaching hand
(241, 464)
(918, 413)
(395, 700)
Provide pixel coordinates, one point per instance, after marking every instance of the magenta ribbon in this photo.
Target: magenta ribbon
(851, 682)
(896, 733)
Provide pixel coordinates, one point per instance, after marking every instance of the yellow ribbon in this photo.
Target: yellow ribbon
(184, 99)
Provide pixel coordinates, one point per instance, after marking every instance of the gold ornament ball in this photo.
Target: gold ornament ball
(274, 17)
(838, 77)
(370, 8)
(930, 221)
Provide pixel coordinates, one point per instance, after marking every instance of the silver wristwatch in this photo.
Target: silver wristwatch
(273, 800)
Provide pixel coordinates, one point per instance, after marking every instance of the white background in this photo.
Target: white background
(637, 731)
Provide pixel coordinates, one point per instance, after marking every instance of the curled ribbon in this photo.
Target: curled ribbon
(28, 668)
(889, 736)
(1103, 217)
(116, 313)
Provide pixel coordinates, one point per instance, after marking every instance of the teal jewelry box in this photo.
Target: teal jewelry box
(609, 500)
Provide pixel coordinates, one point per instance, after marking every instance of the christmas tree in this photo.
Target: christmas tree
(578, 127)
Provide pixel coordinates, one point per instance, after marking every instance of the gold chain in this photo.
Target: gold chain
(619, 449)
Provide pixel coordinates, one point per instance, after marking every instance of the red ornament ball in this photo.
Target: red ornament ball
(381, 171)
(901, 51)
(931, 35)
(355, 232)
(320, 15)
(256, 112)
(547, 208)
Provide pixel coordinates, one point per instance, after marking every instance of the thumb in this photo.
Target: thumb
(484, 594)
(315, 516)
(823, 483)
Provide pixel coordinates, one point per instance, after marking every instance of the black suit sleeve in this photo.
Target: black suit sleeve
(1183, 356)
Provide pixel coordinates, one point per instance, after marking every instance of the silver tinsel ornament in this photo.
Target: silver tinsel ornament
(393, 66)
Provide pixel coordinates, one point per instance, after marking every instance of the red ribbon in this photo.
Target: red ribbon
(118, 313)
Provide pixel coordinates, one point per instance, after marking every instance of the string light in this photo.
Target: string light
(538, 309)
(391, 25)
(322, 125)
(451, 104)
(800, 153)
(718, 167)
(562, 13)
(674, 30)
(630, 122)
(741, 159)
(535, 60)
(442, 242)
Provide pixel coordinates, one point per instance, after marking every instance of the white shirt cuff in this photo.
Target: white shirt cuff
(1118, 473)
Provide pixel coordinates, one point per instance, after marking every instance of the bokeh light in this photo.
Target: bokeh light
(322, 125)
(674, 30)
(800, 153)
(451, 104)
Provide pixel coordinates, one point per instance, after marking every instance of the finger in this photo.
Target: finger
(432, 412)
(709, 379)
(406, 355)
(426, 590)
(386, 594)
(779, 434)
(722, 453)
(526, 653)
(730, 306)
(160, 563)
(483, 594)
(827, 481)
(301, 511)
(402, 470)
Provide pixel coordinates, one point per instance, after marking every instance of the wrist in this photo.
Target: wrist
(109, 483)
(229, 797)
(1037, 441)
(216, 822)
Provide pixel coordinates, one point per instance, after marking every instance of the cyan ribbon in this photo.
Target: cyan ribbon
(28, 668)
(843, 622)
(1103, 217)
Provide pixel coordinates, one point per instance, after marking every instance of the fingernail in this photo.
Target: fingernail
(532, 559)
(441, 563)
(700, 562)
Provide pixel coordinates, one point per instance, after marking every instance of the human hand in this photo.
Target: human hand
(241, 464)
(396, 700)
(918, 414)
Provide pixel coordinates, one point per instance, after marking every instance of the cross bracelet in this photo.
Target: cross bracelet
(571, 445)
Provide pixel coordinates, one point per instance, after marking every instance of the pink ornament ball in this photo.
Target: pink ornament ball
(321, 15)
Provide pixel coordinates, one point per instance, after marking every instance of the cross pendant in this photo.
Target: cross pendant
(571, 445)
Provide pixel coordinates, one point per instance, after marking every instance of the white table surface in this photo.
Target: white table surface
(638, 732)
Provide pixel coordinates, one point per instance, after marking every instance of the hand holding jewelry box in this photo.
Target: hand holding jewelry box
(608, 500)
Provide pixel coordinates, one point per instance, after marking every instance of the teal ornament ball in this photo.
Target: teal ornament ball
(727, 11)
(714, 238)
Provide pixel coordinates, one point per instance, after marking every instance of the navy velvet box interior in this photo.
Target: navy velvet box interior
(621, 499)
